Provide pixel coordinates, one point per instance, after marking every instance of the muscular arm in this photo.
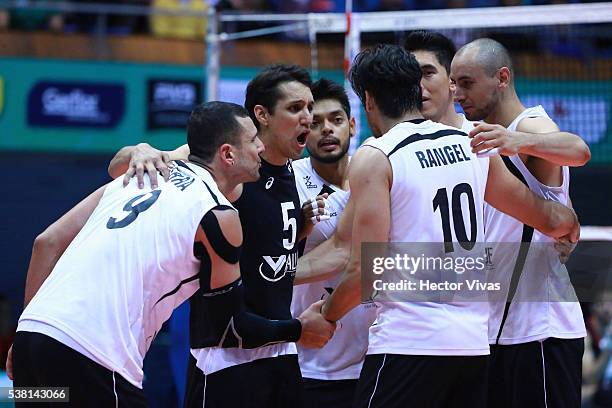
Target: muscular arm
(542, 139)
(370, 180)
(331, 256)
(222, 296)
(506, 193)
(536, 139)
(51, 244)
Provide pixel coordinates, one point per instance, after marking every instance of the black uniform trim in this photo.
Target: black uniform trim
(415, 137)
(326, 189)
(522, 254)
(178, 287)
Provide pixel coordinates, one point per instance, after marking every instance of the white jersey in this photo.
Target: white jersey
(342, 357)
(125, 272)
(543, 276)
(467, 125)
(428, 159)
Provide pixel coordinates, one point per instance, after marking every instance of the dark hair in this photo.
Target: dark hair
(326, 89)
(211, 125)
(263, 89)
(391, 75)
(442, 47)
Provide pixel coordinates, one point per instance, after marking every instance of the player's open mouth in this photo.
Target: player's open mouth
(301, 139)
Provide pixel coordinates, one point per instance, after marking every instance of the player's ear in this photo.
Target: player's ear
(261, 114)
(504, 77)
(369, 102)
(352, 126)
(226, 154)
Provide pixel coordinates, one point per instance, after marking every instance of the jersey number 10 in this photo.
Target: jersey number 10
(441, 201)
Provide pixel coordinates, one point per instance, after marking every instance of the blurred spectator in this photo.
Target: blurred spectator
(31, 19)
(111, 24)
(241, 5)
(183, 27)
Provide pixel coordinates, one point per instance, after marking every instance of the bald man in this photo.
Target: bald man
(536, 339)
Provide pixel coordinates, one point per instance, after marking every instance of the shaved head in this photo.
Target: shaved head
(488, 54)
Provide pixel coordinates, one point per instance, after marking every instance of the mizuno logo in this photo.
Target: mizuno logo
(309, 184)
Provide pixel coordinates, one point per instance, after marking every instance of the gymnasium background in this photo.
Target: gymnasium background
(78, 83)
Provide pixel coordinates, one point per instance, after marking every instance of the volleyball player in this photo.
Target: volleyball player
(537, 336)
(329, 374)
(434, 53)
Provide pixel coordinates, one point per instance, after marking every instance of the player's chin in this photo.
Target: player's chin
(297, 152)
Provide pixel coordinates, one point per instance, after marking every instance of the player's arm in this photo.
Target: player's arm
(509, 195)
(223, 295)
(370, 178)
(48, 248)
(538, 138)
(51, 244)
(143, 158)
(331, 256)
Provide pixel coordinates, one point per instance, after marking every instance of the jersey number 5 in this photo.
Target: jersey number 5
(135, 206)
(441, 201)
(289, 223)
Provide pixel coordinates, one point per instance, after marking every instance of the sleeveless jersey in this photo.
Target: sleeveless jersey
(342, 357)
(467, 125)
(126, 270)
(270, 214)
(530, 317)
(432, 164)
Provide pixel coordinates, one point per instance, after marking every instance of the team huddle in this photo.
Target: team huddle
(267, 247)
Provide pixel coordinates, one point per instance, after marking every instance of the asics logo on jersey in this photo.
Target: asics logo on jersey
(269, 183)
(276, 267)
(309, 184)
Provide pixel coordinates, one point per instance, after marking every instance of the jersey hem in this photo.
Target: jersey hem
(429, 352)
(99, 357)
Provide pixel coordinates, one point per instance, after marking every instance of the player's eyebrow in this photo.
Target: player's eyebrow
(332, 113)
(428, 66)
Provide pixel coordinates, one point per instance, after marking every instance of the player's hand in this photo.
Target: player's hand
(147, 159)
(316, 209)
(565, 249)
(316, 331)
(569, 227)
(9, 363)
(486, 136)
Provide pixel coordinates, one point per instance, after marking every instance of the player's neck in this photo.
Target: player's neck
(508, 108)
(333, 173)
(386, 123)
(272, 154)
(451, 117)
(225, 182)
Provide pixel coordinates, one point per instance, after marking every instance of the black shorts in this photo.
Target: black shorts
(40, 361)
(392, 380)
(328, 393)
(266, 383)
(536, 374)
